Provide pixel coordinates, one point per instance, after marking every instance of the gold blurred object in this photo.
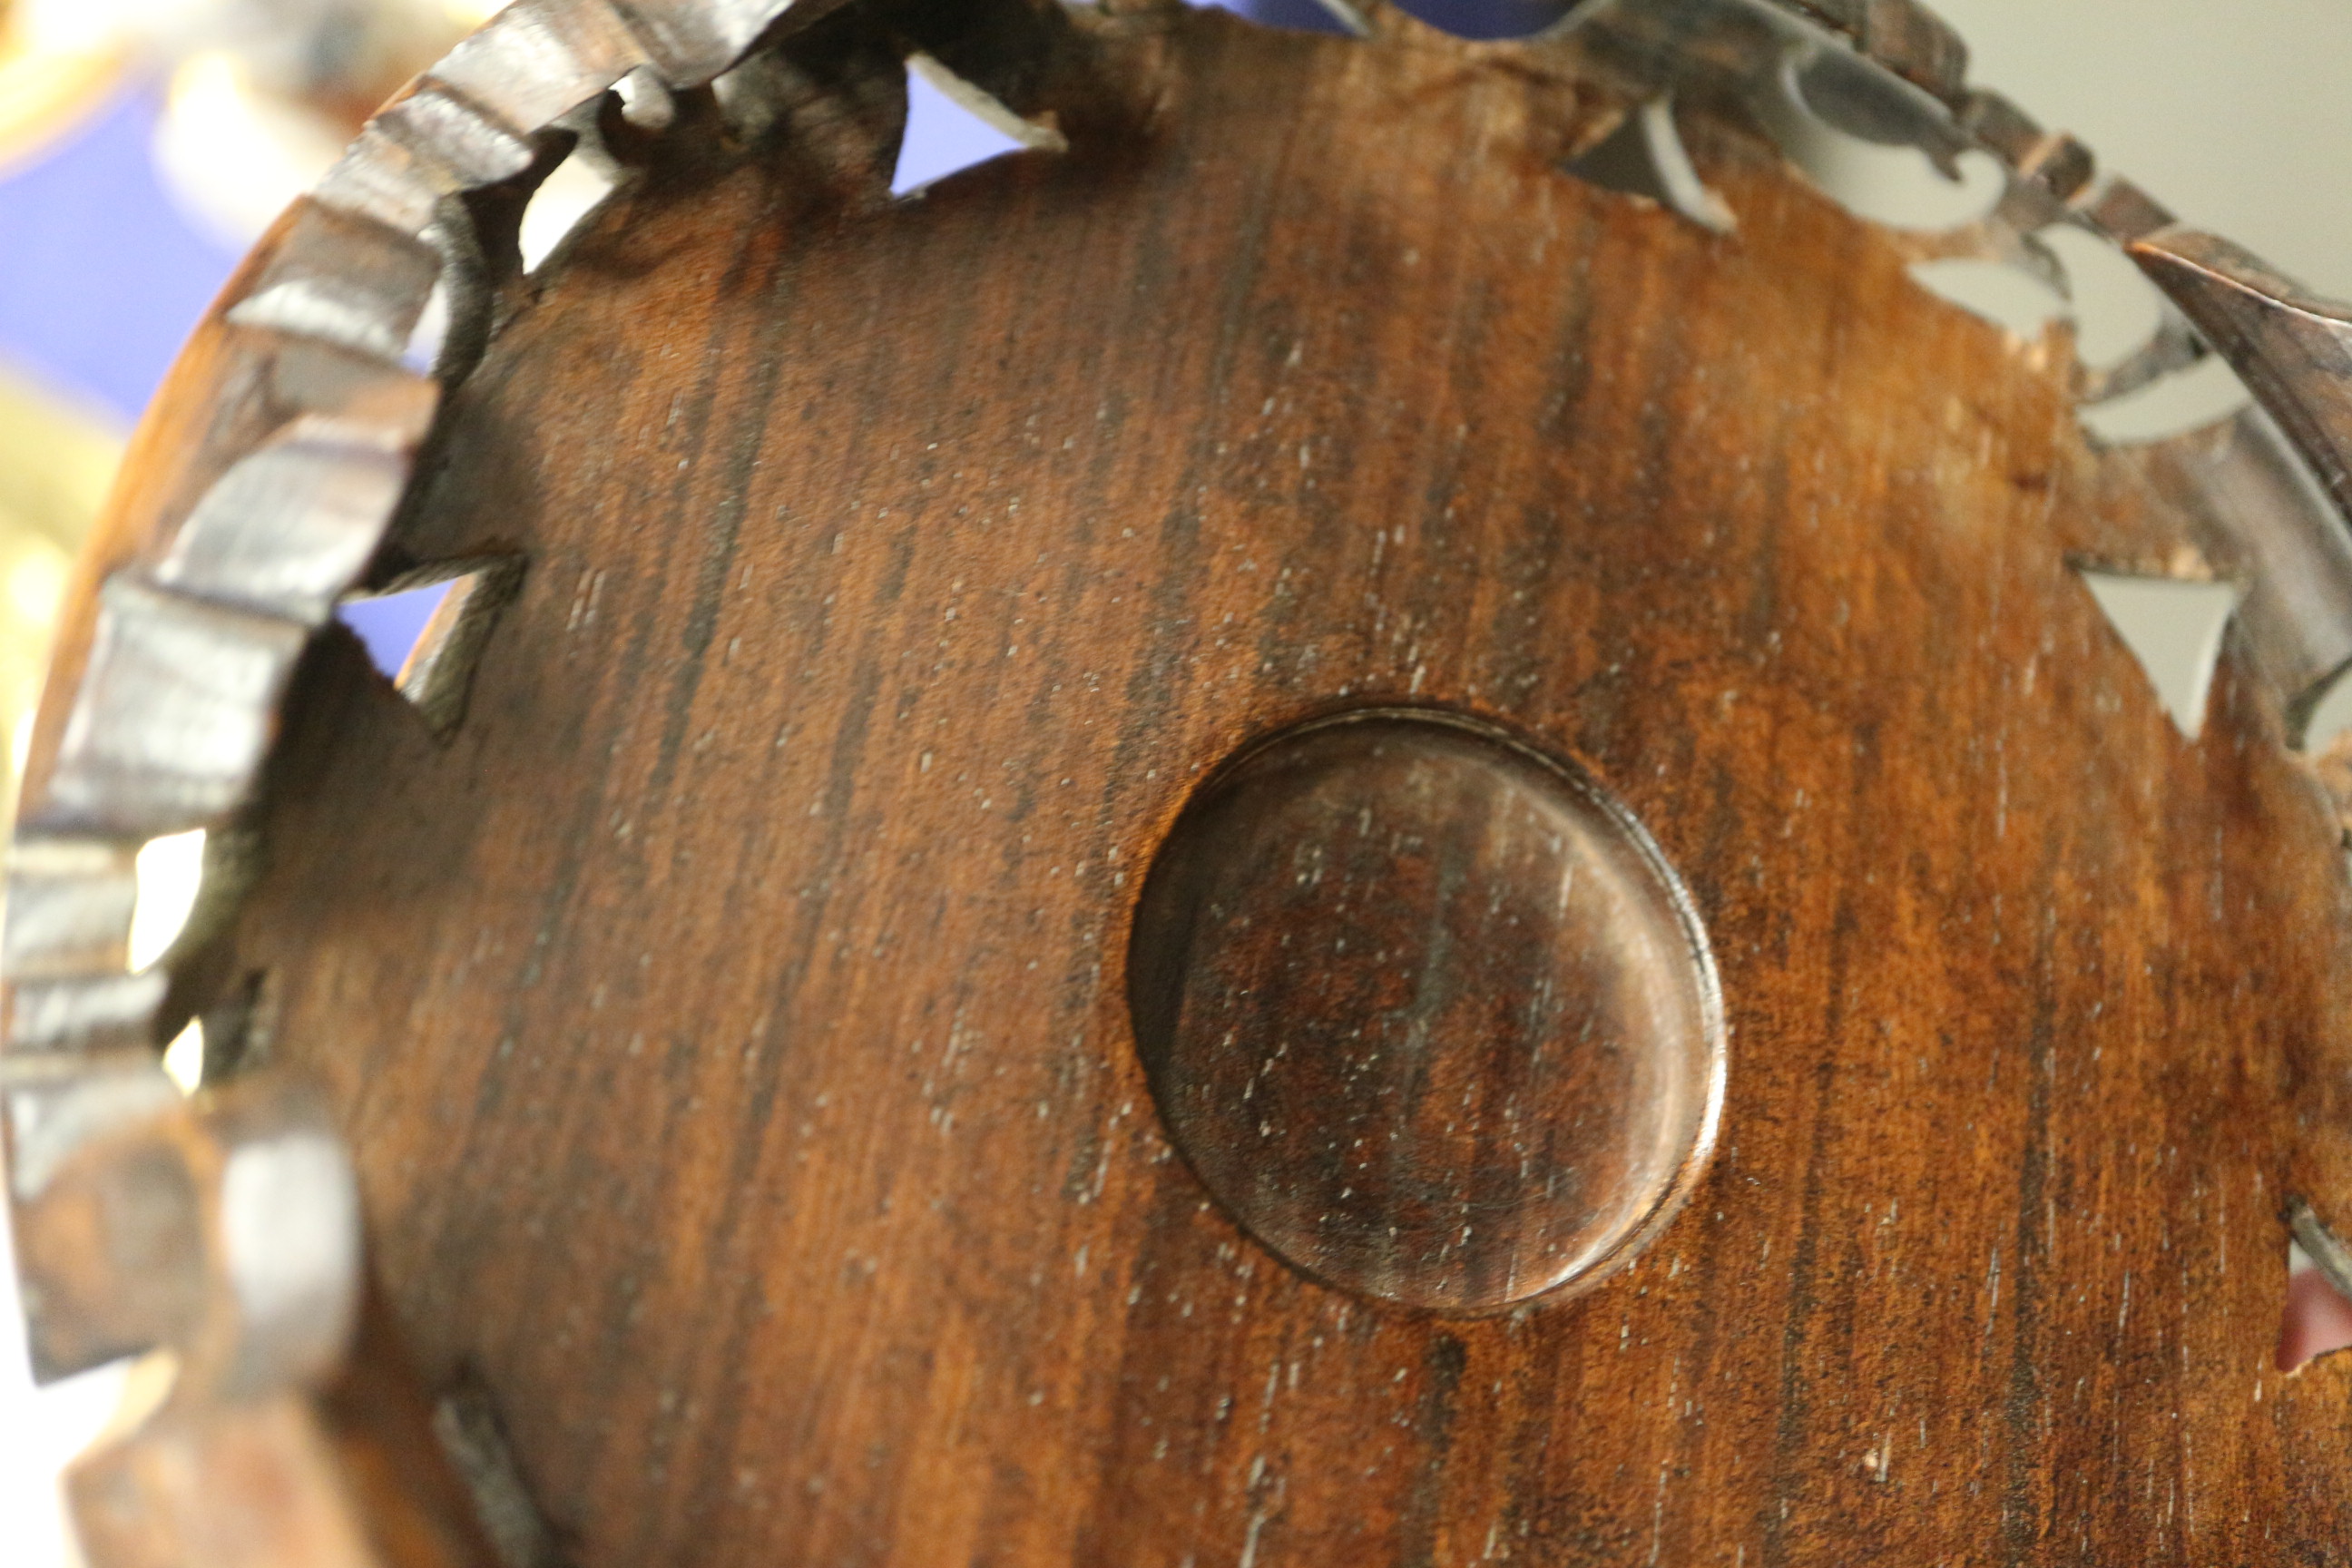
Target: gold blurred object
(52, 76)
(55, 464)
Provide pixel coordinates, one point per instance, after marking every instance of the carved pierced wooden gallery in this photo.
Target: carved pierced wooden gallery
(1368, 813)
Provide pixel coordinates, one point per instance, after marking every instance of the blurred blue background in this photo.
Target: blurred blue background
(101, 275)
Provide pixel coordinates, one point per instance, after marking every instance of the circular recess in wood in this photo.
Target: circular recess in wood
(1427, 1010)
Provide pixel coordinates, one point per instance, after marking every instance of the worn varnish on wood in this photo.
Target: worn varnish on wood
(1426, 1010)
(730, 1017)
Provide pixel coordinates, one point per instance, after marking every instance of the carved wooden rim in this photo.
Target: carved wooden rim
(268, 474)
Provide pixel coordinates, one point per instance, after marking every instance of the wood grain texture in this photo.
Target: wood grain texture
(1426, 1011)
(728, 1017)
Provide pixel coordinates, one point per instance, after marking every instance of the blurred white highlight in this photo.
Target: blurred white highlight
(169, 871)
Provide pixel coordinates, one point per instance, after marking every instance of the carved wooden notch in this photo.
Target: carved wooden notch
(953, 125)
(435, 670)
(1645, 157)
(2174, 628)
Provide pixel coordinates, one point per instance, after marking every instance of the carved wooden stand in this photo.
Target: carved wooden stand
(730, 988)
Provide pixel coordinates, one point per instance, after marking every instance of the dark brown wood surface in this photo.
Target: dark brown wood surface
(1426, 1012)
(730, 1017)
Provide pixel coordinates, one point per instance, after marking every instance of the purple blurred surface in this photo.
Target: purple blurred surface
(389, 625)
(941, 137)
(1489, 18)
(100, 278)
(1305, 16)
